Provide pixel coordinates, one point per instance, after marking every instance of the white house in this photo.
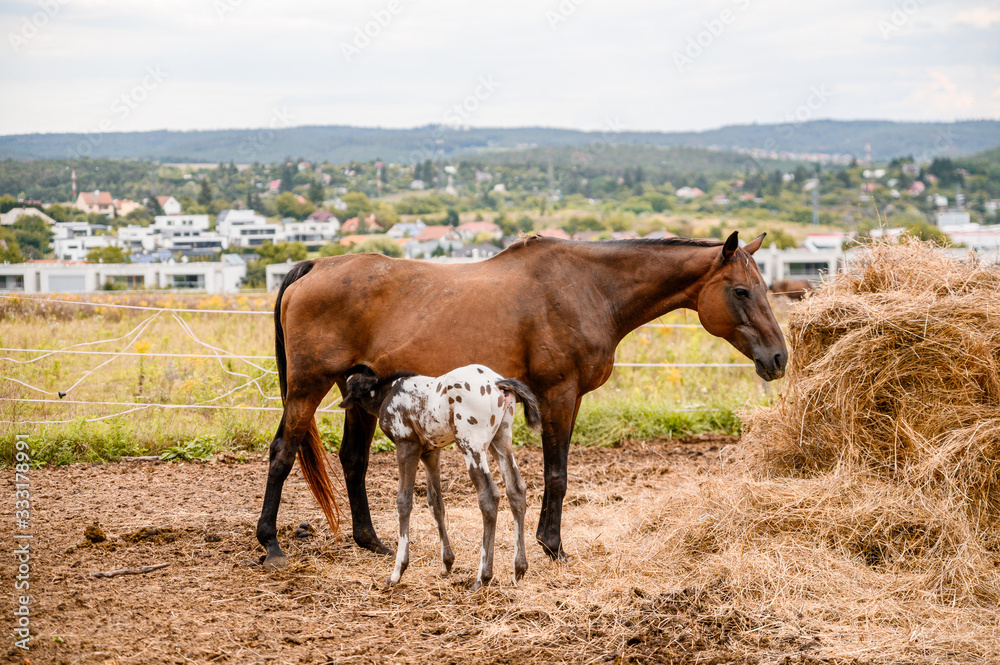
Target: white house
(406, 229)
(311, 234)
(135, 238)
(11, 216)
(180, 225)
(56, 276)
(76, 248)
(246, 228)
(953, 218)
(169, 205)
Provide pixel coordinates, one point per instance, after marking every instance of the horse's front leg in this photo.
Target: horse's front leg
(558, 417)
(355, 449)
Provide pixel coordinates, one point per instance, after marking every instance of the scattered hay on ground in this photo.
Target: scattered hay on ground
(863, 505)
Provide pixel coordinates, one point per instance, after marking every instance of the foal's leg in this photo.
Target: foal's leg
(503, 452)
(489, 497)
(435, 502)
(407, 457)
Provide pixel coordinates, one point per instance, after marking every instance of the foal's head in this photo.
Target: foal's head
(368, 391)
(732, 304)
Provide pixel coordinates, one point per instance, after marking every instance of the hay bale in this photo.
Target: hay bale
(895, 372)
(869, 493)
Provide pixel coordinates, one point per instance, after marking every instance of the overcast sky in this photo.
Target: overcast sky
(112, 65)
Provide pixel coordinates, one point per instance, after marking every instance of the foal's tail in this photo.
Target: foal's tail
(312, 455)
(532, 415)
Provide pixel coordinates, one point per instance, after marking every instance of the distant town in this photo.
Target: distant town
(87, 225)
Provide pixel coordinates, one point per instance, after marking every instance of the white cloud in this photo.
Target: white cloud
(979, 17)
(605, 61)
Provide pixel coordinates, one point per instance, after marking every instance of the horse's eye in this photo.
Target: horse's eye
(741, 293)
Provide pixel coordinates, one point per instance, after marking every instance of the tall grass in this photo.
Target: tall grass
(634, 403)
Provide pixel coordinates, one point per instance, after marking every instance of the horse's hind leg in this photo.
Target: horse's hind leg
(489, 497)
(517, 490)
(359, 427)
(407, 457)
(432, 464)
(294, 427)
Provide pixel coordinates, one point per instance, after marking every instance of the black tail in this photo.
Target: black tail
(297, 271)
(532, 416)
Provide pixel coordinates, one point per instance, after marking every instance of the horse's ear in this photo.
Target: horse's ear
(754, 244)
(732, 244)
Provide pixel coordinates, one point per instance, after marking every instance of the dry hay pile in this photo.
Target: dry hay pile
(862, 507)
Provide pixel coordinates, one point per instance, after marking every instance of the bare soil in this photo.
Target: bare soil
(215, 604)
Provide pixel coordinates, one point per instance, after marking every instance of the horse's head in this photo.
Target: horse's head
(732, 304)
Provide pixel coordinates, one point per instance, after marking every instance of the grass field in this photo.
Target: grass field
(635, 403)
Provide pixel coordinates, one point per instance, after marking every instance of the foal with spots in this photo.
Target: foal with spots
(472, 407)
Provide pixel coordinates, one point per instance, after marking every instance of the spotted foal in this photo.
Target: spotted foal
(472, 407)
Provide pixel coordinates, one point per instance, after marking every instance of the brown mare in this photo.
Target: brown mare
(547, 312)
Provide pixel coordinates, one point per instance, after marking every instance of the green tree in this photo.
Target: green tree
(205, 194)
(332, 249)
(358, 205)
(525, 224)
(657, 201)
(316, 193)
(153, 205)
(107, 255)
(10, 251)
(33, 234)
(451, 217)
(279, 253)
(386, 246)
(289, 206)
(288, 171)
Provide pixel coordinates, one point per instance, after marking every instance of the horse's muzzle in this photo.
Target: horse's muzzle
(771, 366)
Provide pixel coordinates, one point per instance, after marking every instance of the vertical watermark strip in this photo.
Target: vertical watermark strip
(22, 542)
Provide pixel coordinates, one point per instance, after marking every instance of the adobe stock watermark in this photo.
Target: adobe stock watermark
(223, 7)
(22, 542)
(943, 140)
(121, 108)
(899, 16)
(714, 28)
(364, 35)
(251, 147)
(457, 116)
(34, 24)
(817, 97)
(562, 12)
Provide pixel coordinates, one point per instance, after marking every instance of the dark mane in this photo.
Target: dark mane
(676, 241)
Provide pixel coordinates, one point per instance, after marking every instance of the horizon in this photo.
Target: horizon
(515, 127)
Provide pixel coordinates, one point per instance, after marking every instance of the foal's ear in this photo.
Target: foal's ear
(754, 244)
(732, 244)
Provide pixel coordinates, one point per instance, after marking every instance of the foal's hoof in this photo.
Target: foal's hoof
(275, 562)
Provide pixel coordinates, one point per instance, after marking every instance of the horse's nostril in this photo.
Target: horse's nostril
(779, 359)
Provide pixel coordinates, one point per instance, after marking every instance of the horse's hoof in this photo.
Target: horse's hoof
(373, 544)
(275, 562)
(477, 586)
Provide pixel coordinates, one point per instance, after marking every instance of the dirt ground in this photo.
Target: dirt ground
(215, 604)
